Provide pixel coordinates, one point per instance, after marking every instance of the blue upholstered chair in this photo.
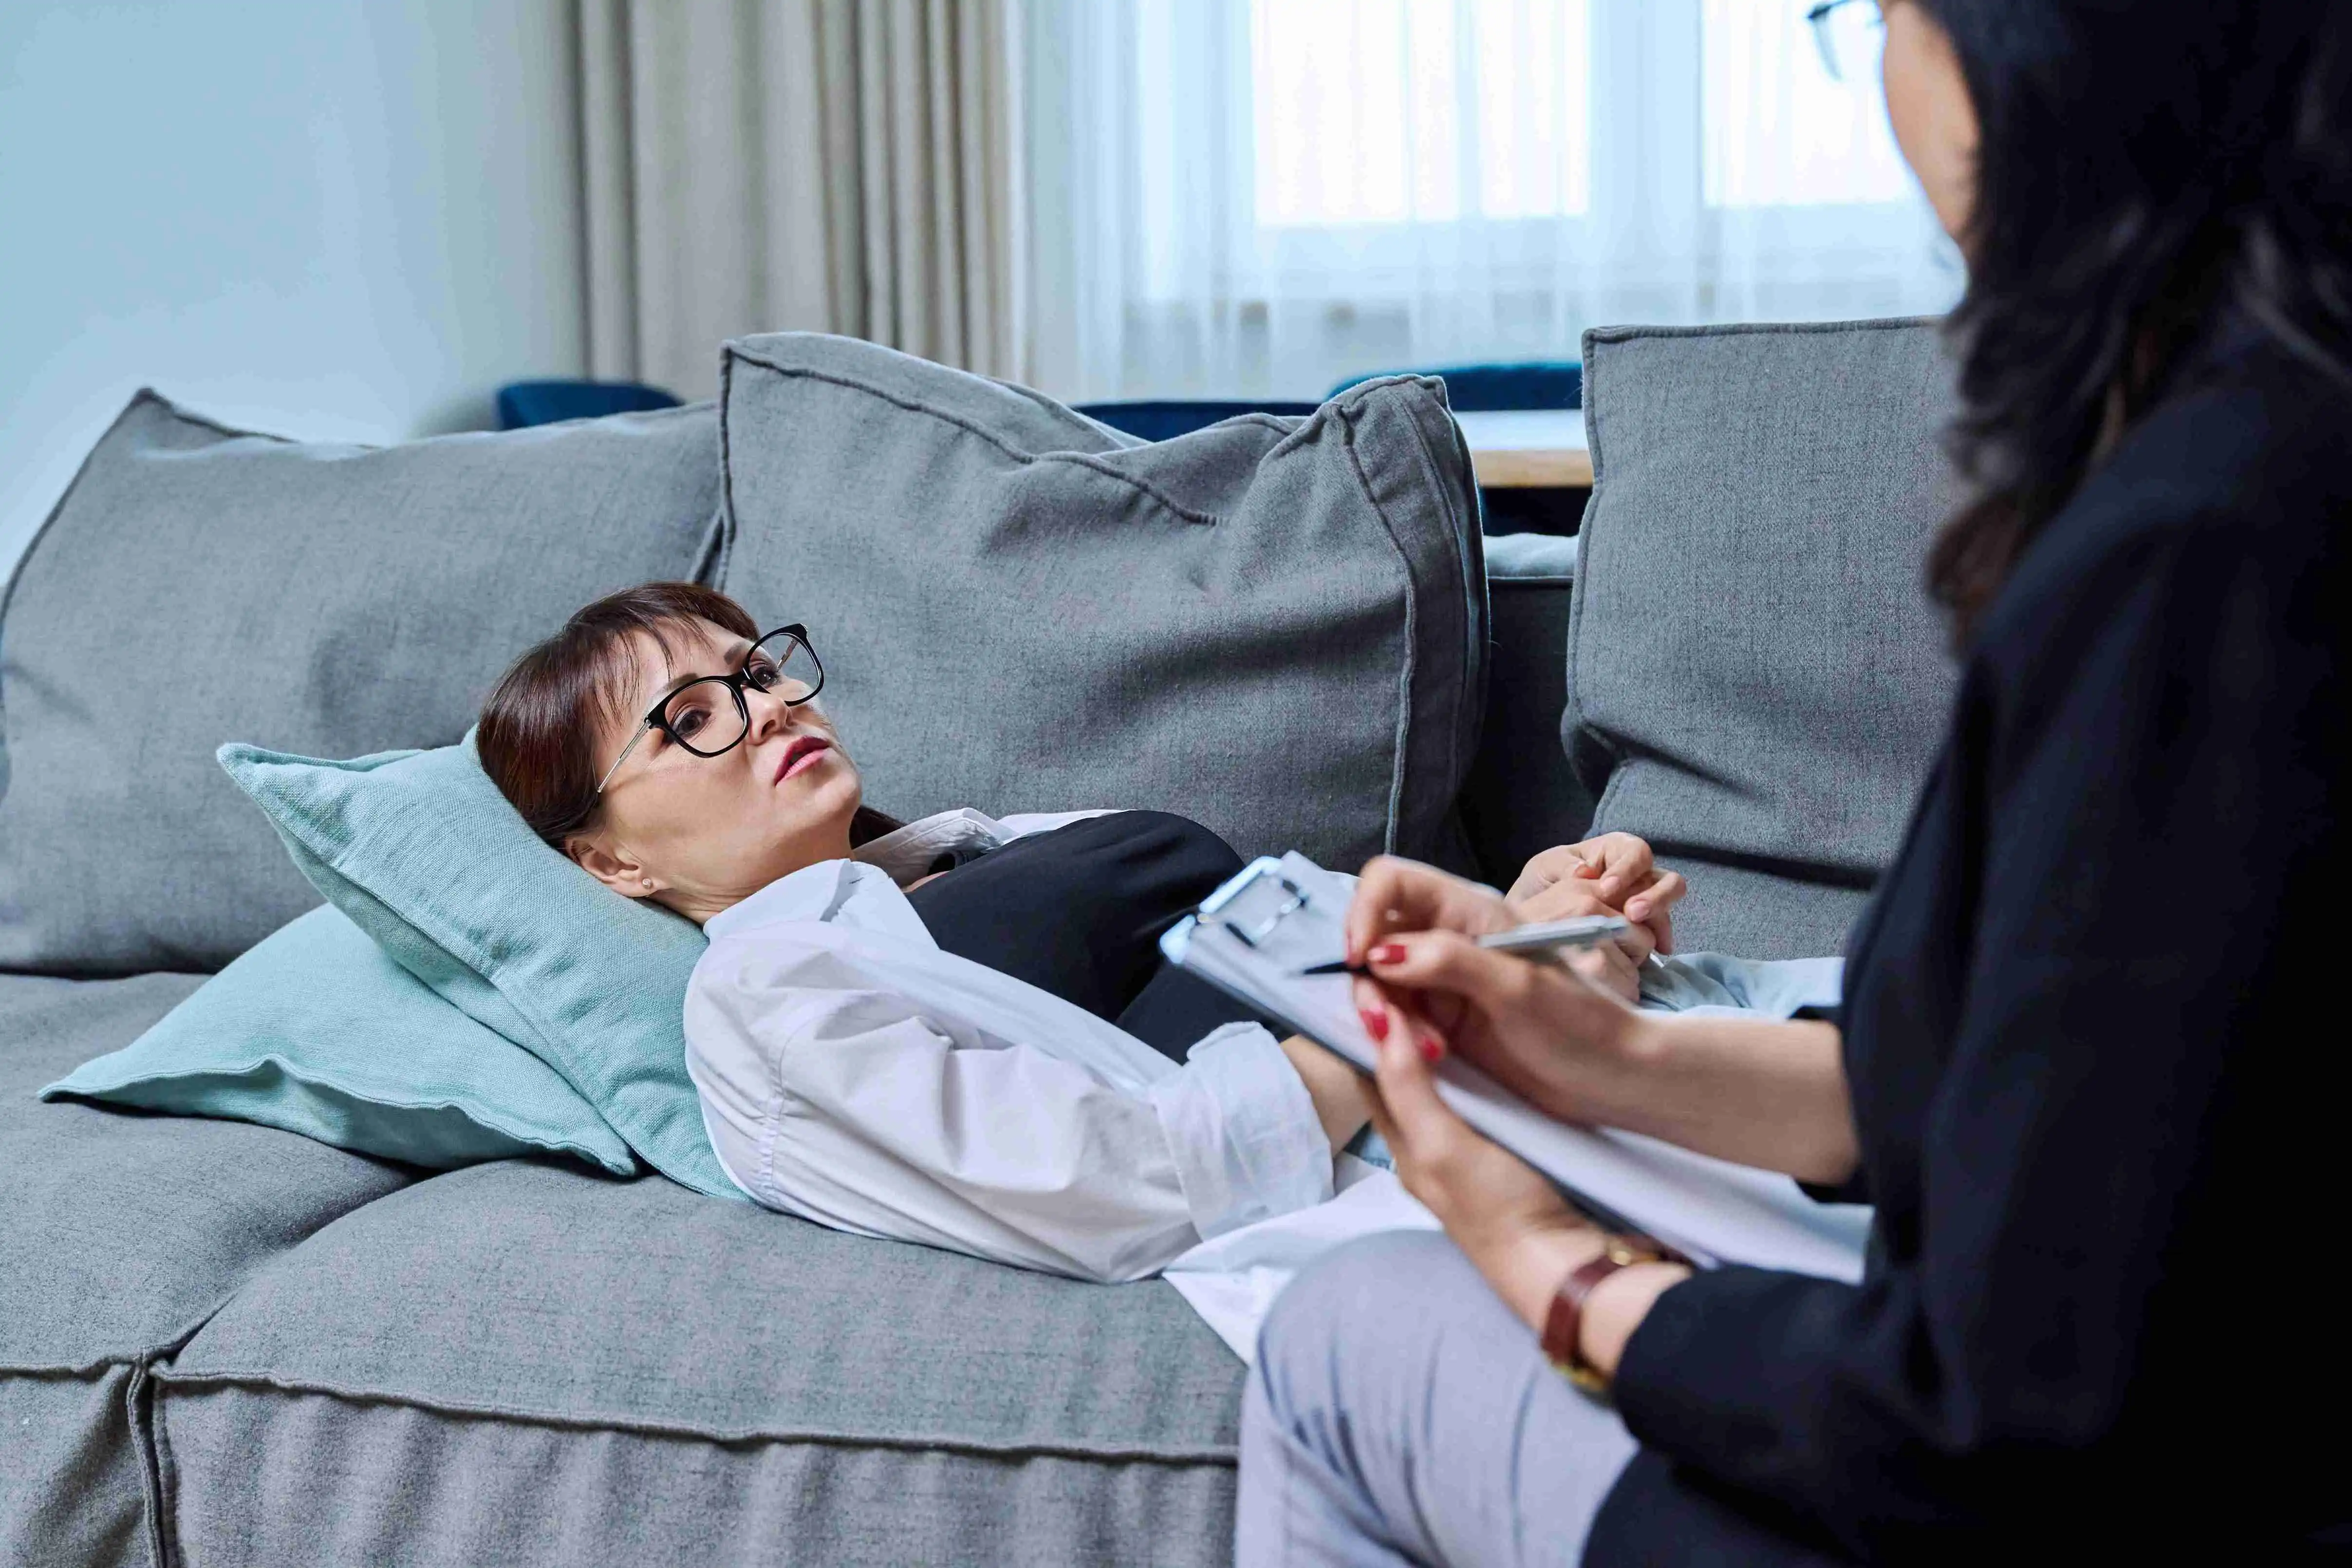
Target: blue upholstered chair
(1166, 418)
(1470, 388)
(526, 403)
(1486, 388)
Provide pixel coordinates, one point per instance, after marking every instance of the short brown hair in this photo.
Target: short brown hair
(538, 729)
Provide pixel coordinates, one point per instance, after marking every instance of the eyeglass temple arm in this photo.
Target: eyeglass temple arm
(624, 756)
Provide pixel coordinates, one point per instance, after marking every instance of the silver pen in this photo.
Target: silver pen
(1540, 936)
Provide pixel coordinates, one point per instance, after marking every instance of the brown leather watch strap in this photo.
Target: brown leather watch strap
(1564, 1324)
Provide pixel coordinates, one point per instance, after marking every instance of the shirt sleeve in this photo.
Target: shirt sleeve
(857, 1109)
(2085, 1144)
(1243, 1131)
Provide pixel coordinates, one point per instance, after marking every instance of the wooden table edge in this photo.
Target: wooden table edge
(1519, 469)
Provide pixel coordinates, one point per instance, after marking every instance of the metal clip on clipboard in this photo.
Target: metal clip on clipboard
(1254, 907)
(1252, 932)
(1268, 911)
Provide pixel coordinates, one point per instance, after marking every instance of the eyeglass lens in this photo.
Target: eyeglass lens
(1849, 35)
(707, 717)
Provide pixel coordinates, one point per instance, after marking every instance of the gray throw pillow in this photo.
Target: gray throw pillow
(199, 585)
(1757, 681)
(1274, 626)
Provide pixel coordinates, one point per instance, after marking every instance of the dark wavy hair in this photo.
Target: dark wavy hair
(2145, 171)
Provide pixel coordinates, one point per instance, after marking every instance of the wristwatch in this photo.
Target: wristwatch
(1565, 1322)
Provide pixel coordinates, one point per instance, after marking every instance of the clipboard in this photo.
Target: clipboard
(1277, 917)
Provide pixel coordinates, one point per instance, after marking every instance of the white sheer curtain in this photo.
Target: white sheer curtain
(1259, 197)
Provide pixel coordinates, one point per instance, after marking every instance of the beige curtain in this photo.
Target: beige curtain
(828, 166)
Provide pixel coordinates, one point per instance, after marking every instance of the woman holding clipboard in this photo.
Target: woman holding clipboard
(2074, 1071)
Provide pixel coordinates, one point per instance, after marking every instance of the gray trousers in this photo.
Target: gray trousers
(1399, 1414)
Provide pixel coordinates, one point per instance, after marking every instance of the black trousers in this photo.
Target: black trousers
(1079, 913)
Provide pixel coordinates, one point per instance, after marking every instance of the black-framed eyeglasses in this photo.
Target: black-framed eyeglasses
(1848, 33)
(709, 716)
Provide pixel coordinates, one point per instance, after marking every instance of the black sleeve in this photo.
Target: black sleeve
(2093, 1306)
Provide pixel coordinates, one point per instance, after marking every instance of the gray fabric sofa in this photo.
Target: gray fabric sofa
(224, 1343)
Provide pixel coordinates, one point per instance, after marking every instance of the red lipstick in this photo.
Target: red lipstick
(801, 755)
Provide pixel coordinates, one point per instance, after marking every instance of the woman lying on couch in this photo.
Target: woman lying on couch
(943, 1031)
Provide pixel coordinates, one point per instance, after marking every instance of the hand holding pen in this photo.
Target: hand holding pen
(1566, 883)
(1416, 932)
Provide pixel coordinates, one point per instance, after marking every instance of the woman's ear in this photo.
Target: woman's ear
(616, 871)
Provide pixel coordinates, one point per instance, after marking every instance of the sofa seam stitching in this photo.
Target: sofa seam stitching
(1129, 1453)
(158, 1353)
(1466, 541)
(139, 1398)
(167, 1480)
(1453, 769)
(1061, 411)
(728, 528)
(1760, 329)
(145, 395)
(1573, 704)
(1401, 745)
(1086, 460)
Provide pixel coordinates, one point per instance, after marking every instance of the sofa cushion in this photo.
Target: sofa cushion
(72, 1466)
(1753, 667)
(466, 1359)
(120, 1232)
(319, 1032)
(278, 1478)
(1274, 625)
(199, 585)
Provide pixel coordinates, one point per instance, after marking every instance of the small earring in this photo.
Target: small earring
(646, 883)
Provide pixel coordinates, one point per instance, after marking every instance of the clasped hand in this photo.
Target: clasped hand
(1611, 875)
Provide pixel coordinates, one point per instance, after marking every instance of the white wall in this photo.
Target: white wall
(336, 219)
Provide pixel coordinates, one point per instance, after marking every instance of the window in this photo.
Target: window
(1261, 197)
(1779, 131)
(1419, 110)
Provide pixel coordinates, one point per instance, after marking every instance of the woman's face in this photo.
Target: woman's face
(701, 834)
(1934, 121)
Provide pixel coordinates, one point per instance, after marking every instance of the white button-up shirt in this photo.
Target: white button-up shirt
(853, 1073)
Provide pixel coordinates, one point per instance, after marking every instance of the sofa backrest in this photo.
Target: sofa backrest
(198, 584)
(1280, 625)
(1757, 681)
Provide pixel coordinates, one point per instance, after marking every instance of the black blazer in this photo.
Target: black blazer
(2095, 1028)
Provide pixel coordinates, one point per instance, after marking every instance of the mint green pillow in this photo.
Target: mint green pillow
(424, 854)
(316, 1031)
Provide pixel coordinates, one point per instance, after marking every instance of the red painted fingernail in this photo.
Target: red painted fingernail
(1388, 953)
(1375, 1023)
(1433, 1050)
